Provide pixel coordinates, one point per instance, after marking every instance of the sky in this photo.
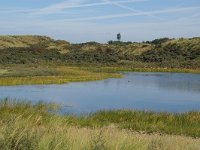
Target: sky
(100, 20)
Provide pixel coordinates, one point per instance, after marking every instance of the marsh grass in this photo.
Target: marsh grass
(20, 75)
(125, 68)
(187, 124)
(3, 71)
(57, 74)
(25, 126)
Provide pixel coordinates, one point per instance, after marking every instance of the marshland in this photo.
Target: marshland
(38, 126)
(119, 95)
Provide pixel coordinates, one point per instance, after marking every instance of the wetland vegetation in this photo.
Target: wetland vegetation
(38, 126)
(33, 74)
(42, 60)
(23, 74)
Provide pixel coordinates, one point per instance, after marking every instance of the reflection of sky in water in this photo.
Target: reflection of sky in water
(145, 91)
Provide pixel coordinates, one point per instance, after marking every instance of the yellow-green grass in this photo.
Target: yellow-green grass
(57, 74)
(187, 124)
(26, 126)
(22, 41)
(20, 75)
(25, 134)
(135, 69)
(3, 71)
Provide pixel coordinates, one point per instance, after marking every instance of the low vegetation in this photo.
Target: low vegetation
(21, 74)
(182, 53)
(160, 53)
(187, 124)
(33, 74)
(37, 126)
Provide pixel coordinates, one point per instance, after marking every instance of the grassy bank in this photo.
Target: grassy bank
(57, 74)
(32, 74)
(187, 124)
(126, 68)
(27, 126)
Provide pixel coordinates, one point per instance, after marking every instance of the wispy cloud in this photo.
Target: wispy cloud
(49, 9)
(61, 6)
(77, 4)
(73, 31)
(156, 12)
(70, 4)
(130, 9)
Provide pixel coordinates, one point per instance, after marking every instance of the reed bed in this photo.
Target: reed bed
(24, 125)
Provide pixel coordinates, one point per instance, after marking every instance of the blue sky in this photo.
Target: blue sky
(101, 20)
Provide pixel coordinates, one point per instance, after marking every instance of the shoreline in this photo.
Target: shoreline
(51, 74)
(182, 124)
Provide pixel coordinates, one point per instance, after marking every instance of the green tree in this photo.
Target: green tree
(119, 36)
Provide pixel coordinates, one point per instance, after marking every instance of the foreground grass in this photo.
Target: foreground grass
(27, 126)
(52, 74)
(187, 124)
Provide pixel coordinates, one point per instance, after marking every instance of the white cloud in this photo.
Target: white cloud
(156, 12)
(130, 9)
(60, 6)
(70, 4)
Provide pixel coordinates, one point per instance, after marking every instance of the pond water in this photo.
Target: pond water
(168, 92)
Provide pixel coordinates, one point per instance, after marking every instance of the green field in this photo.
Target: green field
(27, 126)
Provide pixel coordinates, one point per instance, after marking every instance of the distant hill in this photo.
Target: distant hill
(32, 41)
(165, 52)
(22, 41)
(175, 52)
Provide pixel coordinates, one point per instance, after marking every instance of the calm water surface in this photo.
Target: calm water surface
(169, 92)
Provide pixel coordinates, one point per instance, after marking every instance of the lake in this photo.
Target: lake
(159, 92)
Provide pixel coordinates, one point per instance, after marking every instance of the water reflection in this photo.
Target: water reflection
(167, 81)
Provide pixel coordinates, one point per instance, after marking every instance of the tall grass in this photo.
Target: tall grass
(187, 124)
(35, 126)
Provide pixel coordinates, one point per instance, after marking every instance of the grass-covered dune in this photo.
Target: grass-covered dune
(37, 126)
(159, 53)
(32, 41)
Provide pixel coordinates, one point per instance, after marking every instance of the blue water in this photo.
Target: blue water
(168, 92)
